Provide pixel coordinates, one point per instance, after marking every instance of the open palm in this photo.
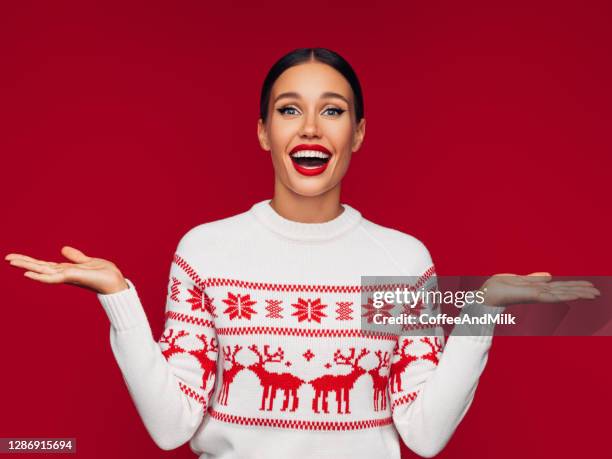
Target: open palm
(507, 289)
(96, 274)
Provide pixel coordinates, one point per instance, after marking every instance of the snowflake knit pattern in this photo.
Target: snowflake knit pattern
(263, 354)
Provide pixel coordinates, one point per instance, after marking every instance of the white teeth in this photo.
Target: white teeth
(310, 154)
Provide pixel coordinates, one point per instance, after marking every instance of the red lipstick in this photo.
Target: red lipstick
(310, 170)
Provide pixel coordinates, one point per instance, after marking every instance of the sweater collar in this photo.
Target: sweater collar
(292, 229)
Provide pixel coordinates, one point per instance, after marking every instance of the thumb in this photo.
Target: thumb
(538, 277)
(74, 254)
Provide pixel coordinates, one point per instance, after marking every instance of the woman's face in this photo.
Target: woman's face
(311, 108)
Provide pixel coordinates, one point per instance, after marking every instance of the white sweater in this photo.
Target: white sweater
(263, 355)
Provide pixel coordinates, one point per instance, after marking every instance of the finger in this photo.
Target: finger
(562, 286)
(36, 267)
(571, 283)
(575, 289)
(46, 278)
(584, 291)
(74, 254)
(593, 290)
(554, 297)
(573, 293)
(18, 256)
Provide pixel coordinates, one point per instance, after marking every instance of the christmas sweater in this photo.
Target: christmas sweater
(263, 353)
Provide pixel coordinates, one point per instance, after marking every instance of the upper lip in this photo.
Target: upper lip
(313, 146)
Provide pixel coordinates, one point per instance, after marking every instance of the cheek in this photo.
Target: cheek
(280, 134)
(340, 134)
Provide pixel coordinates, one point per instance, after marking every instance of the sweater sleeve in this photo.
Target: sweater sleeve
(432, 380)
(171, 380)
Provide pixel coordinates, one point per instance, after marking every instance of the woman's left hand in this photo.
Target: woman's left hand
(507, 289)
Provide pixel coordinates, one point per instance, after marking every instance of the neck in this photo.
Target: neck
(306, 209)
(295, 226)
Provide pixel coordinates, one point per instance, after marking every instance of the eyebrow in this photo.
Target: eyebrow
(325, 95)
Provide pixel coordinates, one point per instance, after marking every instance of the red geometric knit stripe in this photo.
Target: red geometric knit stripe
(425, 277)
(304, 425)
(404, 399)
(408, 327)
(193, 394)
(188, 270)
(327, 333)
(308, 288)
(223, 282)
(179, 316)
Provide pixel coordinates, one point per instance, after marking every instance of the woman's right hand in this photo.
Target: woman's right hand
(96, 274)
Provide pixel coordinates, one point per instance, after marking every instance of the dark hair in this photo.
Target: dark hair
(302, 55)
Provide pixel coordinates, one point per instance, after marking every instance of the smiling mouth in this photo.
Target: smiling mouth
(310, 159)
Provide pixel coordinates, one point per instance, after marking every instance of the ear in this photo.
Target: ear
(359, 135)
(262, 135)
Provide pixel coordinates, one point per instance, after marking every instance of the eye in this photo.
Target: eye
(338, 111)
(283, 110)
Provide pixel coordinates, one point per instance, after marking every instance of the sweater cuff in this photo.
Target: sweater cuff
(123, 308)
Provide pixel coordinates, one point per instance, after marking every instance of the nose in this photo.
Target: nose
(310, 128)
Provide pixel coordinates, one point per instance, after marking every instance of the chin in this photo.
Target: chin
(314, 188)
(308, 191)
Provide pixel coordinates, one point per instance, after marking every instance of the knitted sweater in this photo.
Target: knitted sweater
(263, 354)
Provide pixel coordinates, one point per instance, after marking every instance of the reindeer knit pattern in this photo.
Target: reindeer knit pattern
(263, 354)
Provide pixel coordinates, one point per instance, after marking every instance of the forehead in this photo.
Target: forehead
(311, 79)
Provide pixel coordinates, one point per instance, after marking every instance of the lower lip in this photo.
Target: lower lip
(310, 171)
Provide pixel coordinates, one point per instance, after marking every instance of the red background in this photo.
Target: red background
(124, 125)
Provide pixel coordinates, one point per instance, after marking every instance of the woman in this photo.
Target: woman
(263, 354)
